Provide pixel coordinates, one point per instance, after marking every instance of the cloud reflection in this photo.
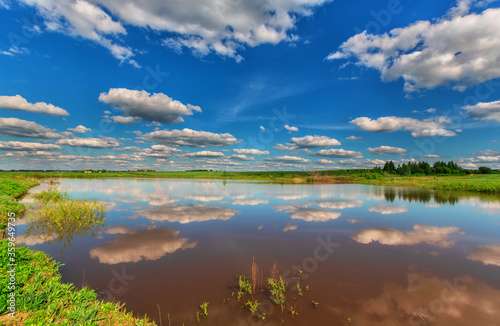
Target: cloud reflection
(432, 235)
(337, 204)
(188, 213)
(488, 254)
(308, 214)
(431, 300)
(388, 209)
(149, 244)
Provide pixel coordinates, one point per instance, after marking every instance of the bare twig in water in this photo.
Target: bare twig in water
(159, 312)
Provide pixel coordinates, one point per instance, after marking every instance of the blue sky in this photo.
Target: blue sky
(235, 85)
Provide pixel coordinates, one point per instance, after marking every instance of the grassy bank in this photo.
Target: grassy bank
(40, 295)
(475, 183)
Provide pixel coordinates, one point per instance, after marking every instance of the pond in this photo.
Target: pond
(367, 255)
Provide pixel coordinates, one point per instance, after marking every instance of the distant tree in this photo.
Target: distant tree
(484, 170)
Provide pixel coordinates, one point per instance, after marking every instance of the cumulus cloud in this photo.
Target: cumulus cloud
(241, 157)
(382, 150)
(336, 153)
(354, 138)
(18, 103)
(459, 50)
(203, 154)
(105, 142)
(433, 235)
(313, 142)
(159, 151)
(487, 254)
(137, 105)
(127, 149)
(188, 213)
(418, 128)
(287, 159)
(81, 18)
(220, 27)
(80, 129)
(22, 146)
(251, 151)
(489, 111)
(325, 162)
(385, 209)
(141, 245)
(191, 138)
(124, 120)
(25, 129)
(308, 214)
(291, 128)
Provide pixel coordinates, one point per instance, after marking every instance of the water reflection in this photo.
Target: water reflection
(133, 246)
(188, 213)
(385, 210)
(432, 235)
(337, 204)
(308, 214)
(487, 254)
(430, 300)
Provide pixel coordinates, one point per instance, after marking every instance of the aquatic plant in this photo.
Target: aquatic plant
(56, 218)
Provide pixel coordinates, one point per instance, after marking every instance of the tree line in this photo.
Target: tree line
(424, 168)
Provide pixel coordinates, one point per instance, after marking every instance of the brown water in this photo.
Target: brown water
(371, 255)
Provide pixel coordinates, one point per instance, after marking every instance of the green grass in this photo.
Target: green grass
(43, 299)
(12, 188)
(41, 296)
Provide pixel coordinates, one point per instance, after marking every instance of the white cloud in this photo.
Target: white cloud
(127, 149)
(18, 103)
(262, 128)
(25, 129)
(484, 111)
(141, 245)
(308, 214)
(156, 107)
(325, 162)
(124, 120)
(222, 27)
(203, 154)
(291, 128)
(160, 151)
(80, 129)
(418, 128)
(80, 18)
(4, 4)
(385, 209)
(336, 153)
(191, 138)
(354, 138)
(250, 151)
(313, 142)
(487, 254)
(241, 157)
(105, 142)
(13, 50)
(460, 50)
(432, 235)
(22, 146)
(288, 159)
(382, 150)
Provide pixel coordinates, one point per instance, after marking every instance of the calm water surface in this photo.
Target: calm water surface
(376, 255)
